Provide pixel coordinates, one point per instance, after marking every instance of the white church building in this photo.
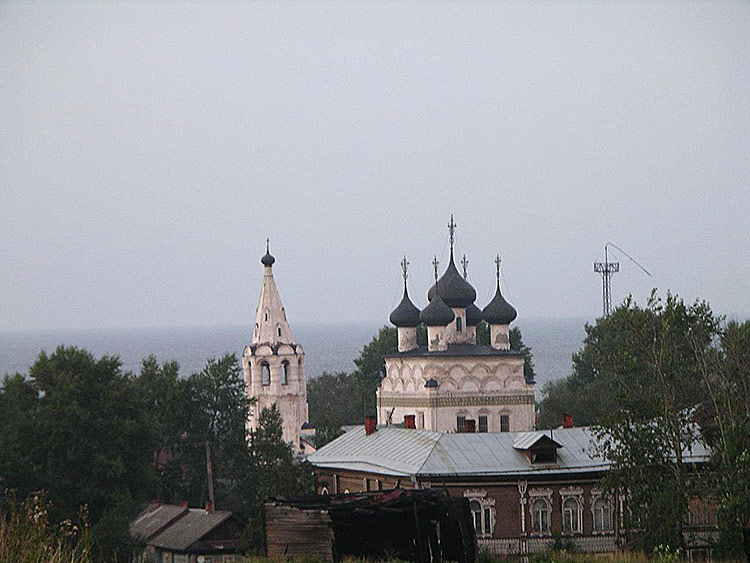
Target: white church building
(274, 366)
(452, 381)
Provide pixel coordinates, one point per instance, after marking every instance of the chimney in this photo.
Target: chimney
(567, 420)
(371, 425)
(470, 425)
(183, 504)
(410, 421)
(209, 506)
(154, 503)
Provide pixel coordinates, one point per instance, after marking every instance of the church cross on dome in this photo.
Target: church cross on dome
(497, 264)
(465, 264)
(452, 231)
(405, 269)
(435, 264)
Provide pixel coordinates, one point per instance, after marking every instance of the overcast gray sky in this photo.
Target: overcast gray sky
(148, 149)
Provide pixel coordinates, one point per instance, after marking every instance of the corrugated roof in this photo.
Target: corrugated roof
(404, 452)
(189, 529)
(154, 518)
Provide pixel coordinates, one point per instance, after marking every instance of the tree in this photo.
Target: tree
(79, 433)
(335, 400)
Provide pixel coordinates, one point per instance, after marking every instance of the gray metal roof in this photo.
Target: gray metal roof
(154, 519)
(525, 440)
(422, 453)
(189, 529)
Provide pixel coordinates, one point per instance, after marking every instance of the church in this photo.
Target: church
(452, 383)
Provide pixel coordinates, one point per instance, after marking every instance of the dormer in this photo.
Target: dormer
(538, 447)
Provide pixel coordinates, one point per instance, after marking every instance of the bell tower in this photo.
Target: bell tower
(274, 366)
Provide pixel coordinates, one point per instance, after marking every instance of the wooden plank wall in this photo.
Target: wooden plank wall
(292, 531)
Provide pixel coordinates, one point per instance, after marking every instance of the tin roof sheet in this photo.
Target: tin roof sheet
(405, 452)
(189, 529)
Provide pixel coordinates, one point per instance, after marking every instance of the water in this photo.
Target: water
(328, 347)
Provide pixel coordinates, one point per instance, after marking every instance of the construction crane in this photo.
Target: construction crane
(606, 269)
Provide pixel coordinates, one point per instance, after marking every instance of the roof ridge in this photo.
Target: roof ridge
(432, 449)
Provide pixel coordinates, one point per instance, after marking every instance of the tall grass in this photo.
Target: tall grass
(27, 536)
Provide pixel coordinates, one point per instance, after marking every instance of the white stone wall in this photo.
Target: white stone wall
(467, 385)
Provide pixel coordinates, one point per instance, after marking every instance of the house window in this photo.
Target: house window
(265, 374)
(460, 420)
(571, 516)
(284, 372)
(324, 491)
(476, 514)
(380, 485)
(504, 423)
(482, 423)
(459, 326)
(482, 510)
(602, 515)
(540, 516)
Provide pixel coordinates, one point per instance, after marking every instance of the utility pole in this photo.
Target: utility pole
(210, 471)
(606, 269)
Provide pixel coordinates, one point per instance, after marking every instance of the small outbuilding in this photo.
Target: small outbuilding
(424, 525)
(178, 534)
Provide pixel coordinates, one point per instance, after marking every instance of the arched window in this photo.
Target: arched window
(602, 515)
(459, 326)
(265, 317)
(504, 423)
(278, 330)
(324, 491)
(476, 515)
(571, 516)
(265, 374)
(540, 516)
(284, 372)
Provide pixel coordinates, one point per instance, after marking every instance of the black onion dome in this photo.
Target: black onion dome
(473, 315)
(267, 259)
(406, 314)
(454, 289)
(437, 313)
(499, 311)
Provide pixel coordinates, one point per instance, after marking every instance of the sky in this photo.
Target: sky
(148, 149)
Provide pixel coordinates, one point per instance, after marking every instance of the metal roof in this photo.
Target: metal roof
(154, 519)
(421, 453)
(525, 440)
(189, 529)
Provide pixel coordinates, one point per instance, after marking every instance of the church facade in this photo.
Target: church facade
(452, 383)
(274, 366)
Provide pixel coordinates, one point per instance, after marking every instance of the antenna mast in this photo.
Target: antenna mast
(606, 269)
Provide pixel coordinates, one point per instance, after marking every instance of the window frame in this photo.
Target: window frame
(265, 374)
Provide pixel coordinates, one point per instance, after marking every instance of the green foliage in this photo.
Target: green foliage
(334, 400)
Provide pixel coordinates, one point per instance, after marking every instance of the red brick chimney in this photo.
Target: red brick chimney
(371, 425)
(567, 420)
(209, 506)
(470, 425)
(410, 421)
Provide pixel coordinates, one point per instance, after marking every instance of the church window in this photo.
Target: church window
(284, 372)
(265, 374)
(278, 330)
(266, 315)
(483, 423)
(504, 423)
(602, 515)
(540, 516)
(459, 327)
(460, 421)
(571, 516)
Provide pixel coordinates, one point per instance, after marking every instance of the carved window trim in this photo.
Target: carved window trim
(597, 494)
(487, 507)
(545, 496)
(575, 494)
